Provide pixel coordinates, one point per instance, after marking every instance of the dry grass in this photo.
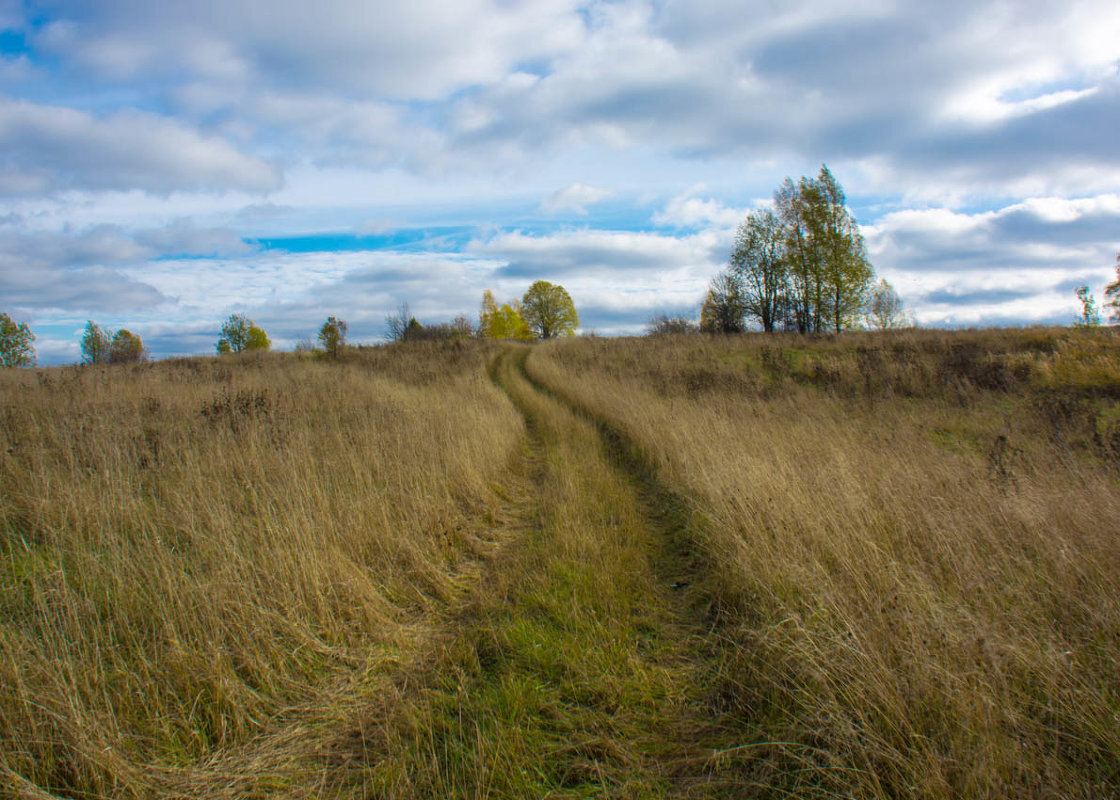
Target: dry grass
(912, 545)
(190, 550)
(866, 566)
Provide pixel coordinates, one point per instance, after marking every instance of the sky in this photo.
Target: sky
(165, 165)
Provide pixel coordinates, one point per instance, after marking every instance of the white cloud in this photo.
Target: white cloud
(1021, 261)
(51, 148)
(688, 211)
(575, 198)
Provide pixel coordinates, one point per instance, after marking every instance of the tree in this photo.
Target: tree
(846, 272)
(724, 308)
(96, 344)
(758, 260)
(1112, 294)
(333, 336)
(885, 311)
(462, 327)
(239, 333)
(549, 311)
(803, 287)
(1090, 317)
(828, 271)
(413, 331)
(663, 324)
(16, 343)
(126, 348)
(258, 339)
(505, 322)
(397, 323)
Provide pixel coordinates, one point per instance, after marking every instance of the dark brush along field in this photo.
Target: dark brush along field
(866, 565)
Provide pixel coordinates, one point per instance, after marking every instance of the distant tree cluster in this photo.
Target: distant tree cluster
(17, 343)
(663, 325)
(102, 346)
(799, 266)
(239, 333)
(545, 311)
(402, 326)
(1090, 316)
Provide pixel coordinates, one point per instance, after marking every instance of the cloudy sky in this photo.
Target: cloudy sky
(163, 165)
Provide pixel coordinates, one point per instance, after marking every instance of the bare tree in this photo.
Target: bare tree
(396, 324)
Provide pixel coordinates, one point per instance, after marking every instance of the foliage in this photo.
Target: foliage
(724, 306)
(548, 310)
(802, 265)
(663, 324)
(1112, 294)
(126, 348)
(828, 267)
(239, 334)
(760, 268)
(332, 336)
(258, 339)
(17, 347)
(885, 311)
(96, 344)
(505, 322)
(1090, 317)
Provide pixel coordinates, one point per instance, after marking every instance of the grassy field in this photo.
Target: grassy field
(870, 565)
(912, 543)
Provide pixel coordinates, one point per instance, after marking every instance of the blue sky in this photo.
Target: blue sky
(163, 165)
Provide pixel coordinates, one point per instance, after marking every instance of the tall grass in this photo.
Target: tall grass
(912, 545)
(189, 550)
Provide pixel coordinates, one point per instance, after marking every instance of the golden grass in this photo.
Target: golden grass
(913, 543)
(190, 549)
(863, 566)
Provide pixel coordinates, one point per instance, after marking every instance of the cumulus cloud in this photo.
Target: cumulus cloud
(101, 267)
(686, 210)
(575, 198)
(422, 49)
(1021, 261)
(52, 148)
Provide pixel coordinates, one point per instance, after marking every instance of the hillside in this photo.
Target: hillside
(861, 565)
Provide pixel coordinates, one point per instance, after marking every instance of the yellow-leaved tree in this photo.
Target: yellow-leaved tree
(503, 322)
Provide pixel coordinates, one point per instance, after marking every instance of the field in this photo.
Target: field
(867, 565)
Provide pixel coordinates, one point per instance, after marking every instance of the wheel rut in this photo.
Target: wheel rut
(584, 665)
(580, 664)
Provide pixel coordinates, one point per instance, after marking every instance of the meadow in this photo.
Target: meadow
(864, 565)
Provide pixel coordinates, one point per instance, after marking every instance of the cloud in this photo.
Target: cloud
(575, 198)
(1021, 261)
(976, 139)
(101, 267)
(688, 211)
(181, 237)
(619, 255)
(424, 49)
(50, 148)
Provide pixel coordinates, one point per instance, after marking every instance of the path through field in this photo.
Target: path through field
(579, 662)
(580, 668)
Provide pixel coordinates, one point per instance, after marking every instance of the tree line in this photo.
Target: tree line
(545, 311)
(800, 265)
